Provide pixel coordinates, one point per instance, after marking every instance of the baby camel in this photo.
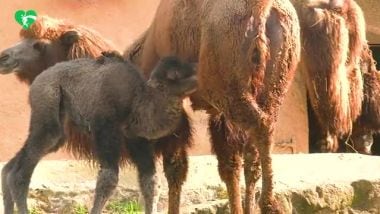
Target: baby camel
(109, 99)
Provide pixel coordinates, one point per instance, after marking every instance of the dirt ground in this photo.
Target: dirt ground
(304, 184)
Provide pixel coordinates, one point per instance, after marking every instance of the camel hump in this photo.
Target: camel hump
(111, 55)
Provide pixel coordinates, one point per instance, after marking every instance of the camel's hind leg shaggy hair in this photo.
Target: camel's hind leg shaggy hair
(252, 174)
(253, 98)
(230, 144)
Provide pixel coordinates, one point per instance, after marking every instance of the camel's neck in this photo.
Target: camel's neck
(27, 77)
(155, 114)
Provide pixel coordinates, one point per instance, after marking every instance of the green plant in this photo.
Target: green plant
(35, 210)
(80, 209)
(124, 207)
(220, 191)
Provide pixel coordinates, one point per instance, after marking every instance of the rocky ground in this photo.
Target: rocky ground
(318, 183)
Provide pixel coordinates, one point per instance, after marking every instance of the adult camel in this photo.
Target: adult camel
(247, 52)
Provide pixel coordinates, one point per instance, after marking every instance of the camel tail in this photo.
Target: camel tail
(325, 52)
(258, 50)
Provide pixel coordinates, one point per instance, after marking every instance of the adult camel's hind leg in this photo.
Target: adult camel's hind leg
(284, 52)
(175, 161)
(228, 152)
(45, 137)
(141, 152)
(108, 140)
(223, 132)
(258, 114)
(268, 203)
(252, 173)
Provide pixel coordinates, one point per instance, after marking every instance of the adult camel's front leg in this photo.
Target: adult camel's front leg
(175, 168)
(227, 145)
(175, 161)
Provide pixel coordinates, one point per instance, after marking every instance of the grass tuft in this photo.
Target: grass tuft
(124, 207)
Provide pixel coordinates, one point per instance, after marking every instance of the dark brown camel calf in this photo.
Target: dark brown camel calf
(108, 99)
(49, 41)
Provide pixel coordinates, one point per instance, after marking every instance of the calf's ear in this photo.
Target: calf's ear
(69, 37)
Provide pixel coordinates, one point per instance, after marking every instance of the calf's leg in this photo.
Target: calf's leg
(141, 152)
(108, 140)
(44, 137)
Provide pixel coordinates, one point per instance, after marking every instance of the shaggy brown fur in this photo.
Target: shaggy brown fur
(231, 145)
(333, 36)
(89, 44)
(242, 76)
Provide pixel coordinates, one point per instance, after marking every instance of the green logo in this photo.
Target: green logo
(25, 18)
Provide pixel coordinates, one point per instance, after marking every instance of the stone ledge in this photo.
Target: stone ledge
(315, 183)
